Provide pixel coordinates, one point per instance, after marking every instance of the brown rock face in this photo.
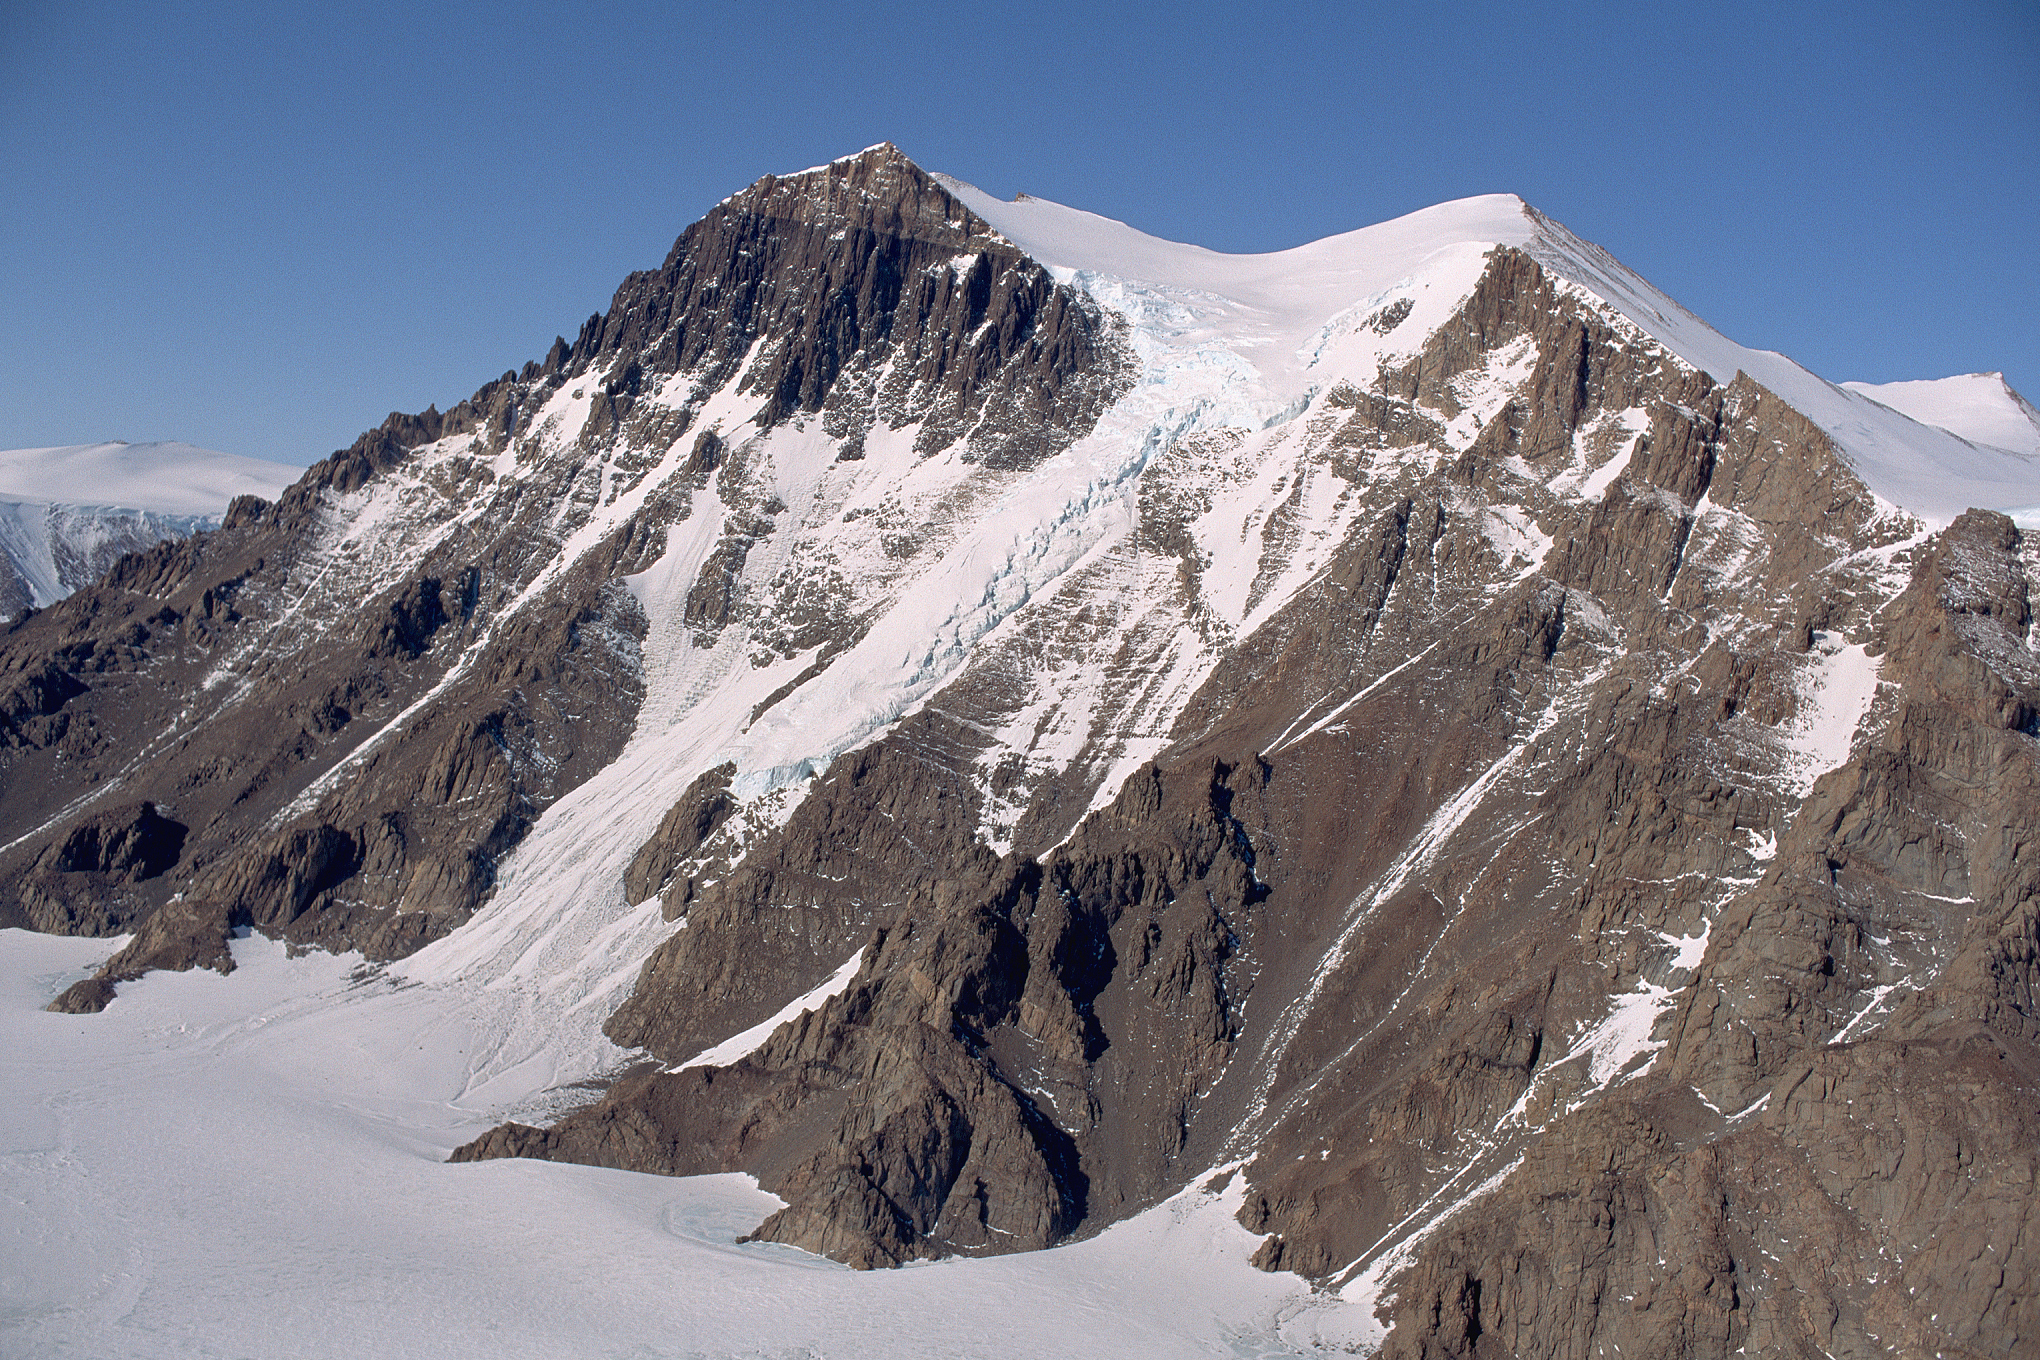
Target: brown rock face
(354, 703)
(1876, 1205)
(879, 297)
(95, 868)
(888, 820)
(686, 826)
(962, 1094)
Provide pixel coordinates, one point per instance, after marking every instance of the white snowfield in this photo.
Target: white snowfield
(164, 478)
(252, 1165)
(1911, 442)
(1980, 407)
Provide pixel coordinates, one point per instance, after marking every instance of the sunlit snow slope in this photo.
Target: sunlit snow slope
(254, 1166)
(1899, 446)
(1981, 407)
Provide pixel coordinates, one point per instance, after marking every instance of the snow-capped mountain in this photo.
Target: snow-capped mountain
(68, 514)
(993, 724)
(1980, 407)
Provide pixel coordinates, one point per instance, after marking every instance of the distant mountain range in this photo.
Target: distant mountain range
(68, 514)
(990, 722)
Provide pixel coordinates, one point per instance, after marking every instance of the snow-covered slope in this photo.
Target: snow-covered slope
(1265, 306)
(181, 1180)
(1981, 407)
(66, 514)
(1272, 315)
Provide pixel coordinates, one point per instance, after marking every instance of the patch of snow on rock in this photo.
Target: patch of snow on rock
(1836, 691)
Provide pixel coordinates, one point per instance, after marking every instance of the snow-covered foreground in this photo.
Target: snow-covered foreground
(254, 1166)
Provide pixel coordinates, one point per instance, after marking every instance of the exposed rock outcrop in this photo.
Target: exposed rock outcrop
(962, 1093)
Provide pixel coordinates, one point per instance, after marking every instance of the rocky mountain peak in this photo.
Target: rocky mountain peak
(1417, 724)
(878, 187)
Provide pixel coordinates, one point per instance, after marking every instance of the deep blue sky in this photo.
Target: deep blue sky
(261, 228)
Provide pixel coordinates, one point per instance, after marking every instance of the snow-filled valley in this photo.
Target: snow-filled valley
(67, 514)
(254, 1166)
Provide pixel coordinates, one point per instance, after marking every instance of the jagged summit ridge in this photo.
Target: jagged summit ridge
(879, 181)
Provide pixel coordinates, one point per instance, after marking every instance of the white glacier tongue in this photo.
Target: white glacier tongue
(253, 1165)
(1268, 305)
